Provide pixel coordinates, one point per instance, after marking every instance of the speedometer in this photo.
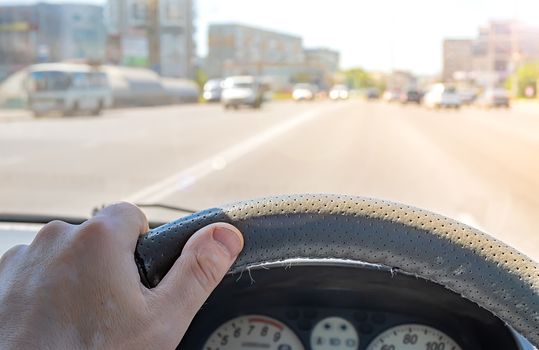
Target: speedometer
(413, 337)
(253, 332)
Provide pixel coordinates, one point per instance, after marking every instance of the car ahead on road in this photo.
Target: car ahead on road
(391, 95)
(372, 93)
(411, 96)
(212, 90)
(304, 92)
(339, 92)
(442, 96)
(67, 88)
(494, 98)
(243, 91)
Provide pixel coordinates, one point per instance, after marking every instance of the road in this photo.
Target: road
(480, 167)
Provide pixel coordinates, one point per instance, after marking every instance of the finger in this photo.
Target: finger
(123, 220)
(203, 263)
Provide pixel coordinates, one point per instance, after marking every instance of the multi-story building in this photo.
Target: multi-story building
(156, 34)
(494, 54)
(457, 57)
(49, 32)
(237, 49)
(400, 80)
(323, 58)
(494, 50)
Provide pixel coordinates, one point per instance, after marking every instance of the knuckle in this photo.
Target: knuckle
(123, 210)
(96, 228)
(12, 252)
(123, 206)
(52, 230)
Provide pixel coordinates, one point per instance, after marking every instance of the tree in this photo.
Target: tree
(359, 78)
(201, 77)
(302, 77)
(527, 75)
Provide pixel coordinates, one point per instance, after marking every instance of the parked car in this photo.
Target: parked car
(391, 95)
(242, 90)
(411, 96)
(339, 92)
(442, 96)
(467, 97)
(302, 92)
(212, 90)
(493, 98)
(372, 93)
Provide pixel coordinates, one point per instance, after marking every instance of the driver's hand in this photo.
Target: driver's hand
(77, 286)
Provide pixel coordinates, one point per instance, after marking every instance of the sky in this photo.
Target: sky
(377, 35)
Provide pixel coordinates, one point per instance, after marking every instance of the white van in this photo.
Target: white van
(68, 88)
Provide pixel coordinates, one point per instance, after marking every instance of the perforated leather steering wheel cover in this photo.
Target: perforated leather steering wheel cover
(465, 260)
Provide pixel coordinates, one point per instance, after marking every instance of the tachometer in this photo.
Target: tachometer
(413, 337)
(253, 332)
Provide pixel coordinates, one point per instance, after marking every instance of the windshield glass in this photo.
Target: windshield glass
(302, 87)
(192, 103)
(49, 81)
(235, 84)
(212, 85)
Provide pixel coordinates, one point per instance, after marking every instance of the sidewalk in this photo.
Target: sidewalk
(12, 115)
(528, 107)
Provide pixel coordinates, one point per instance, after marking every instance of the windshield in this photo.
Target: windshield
(302, 87)
(49, 81)
(191, 103)
(235, 84)
(212, 85)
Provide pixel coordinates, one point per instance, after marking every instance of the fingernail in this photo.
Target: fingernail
(231, 239)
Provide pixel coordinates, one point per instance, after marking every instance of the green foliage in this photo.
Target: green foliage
(201, 77)
(358, 78)
(527, 75)
(303, 77)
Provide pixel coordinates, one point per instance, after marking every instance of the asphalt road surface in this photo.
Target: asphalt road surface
(477, 166)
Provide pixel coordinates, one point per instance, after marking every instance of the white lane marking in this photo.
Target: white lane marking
(187, 177)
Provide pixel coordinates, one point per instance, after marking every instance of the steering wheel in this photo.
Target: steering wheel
(465, 260)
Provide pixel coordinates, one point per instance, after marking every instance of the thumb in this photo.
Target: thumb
(203, 263)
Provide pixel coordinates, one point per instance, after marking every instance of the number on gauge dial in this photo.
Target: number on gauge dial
(413, 337)
(253, 332)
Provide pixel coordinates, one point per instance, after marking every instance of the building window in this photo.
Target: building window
(173, 11)
(500, 66)
(139, 11)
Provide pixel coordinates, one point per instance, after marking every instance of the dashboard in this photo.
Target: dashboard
(341, 306)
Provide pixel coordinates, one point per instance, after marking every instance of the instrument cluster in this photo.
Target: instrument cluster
(311, 329)
(341, 308)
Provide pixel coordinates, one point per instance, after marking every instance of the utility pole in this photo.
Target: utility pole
(515, 59)
(154, 35)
